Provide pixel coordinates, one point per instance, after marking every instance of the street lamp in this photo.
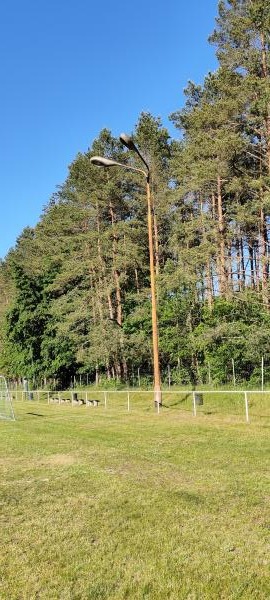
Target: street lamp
(100, 161)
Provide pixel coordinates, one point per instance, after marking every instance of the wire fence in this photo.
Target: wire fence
(245, 405)
(233, 375)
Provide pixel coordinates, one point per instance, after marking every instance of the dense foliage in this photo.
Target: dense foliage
(75, 289)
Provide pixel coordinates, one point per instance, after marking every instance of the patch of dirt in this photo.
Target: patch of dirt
(63, 460)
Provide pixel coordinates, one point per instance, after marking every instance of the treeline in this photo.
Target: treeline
(75, 291)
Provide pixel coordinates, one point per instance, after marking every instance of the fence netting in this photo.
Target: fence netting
(240, 404)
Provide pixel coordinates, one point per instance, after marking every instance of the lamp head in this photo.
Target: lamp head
(101, 161)
(127, 141)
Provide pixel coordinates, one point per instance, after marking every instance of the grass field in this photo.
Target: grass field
(228, 404)
(108, 505)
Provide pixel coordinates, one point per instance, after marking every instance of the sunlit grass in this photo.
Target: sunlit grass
(104, 504)
(223, 403)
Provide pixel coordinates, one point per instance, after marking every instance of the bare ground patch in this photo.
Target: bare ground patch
(59, 460)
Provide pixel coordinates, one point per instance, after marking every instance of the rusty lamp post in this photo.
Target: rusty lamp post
(107, 162)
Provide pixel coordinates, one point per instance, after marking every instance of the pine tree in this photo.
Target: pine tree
(242, 37)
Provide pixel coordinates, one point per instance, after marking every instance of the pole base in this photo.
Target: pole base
(158, 398)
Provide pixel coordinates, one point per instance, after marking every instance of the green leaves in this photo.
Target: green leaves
(75, 291)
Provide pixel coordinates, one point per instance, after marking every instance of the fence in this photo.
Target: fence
(243, 404)
(257, 377)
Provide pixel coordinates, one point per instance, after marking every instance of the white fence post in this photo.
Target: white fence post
(194, 405)
(233, 370)
(246, 407)
(105, 399)
(209, 373)
(169, 376)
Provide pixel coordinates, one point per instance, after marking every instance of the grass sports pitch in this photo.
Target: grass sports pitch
(104, 505)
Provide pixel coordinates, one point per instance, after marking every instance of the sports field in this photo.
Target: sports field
(108, 505)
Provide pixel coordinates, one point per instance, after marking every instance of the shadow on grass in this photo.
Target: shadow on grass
(35, 414)
(188, 497)
(178, 402)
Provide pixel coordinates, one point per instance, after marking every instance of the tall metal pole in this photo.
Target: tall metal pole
(157, 386)
(101, 161)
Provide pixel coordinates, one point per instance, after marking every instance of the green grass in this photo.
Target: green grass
(218, 403)
(108, 505)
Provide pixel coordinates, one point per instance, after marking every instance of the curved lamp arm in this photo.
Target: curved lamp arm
(128, 142)
(101, 161)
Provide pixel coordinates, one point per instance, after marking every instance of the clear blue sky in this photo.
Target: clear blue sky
(70, 68)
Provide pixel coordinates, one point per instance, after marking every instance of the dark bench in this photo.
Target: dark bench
(76, 400)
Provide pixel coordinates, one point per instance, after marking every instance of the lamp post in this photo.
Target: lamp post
(107, 162)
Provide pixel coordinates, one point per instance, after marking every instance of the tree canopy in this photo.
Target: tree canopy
(76, 289)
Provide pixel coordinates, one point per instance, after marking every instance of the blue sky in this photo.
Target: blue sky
(70, 68)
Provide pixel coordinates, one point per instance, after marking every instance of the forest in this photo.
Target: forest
(75, 290)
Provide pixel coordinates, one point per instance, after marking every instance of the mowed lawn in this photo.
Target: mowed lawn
(102, 504)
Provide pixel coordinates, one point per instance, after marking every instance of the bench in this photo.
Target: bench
(60, 400)
(92, 402)
(57, 400)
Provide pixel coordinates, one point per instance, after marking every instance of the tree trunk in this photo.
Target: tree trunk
(264, 259)
(110, 307)
(243, 269)
(137, 281)
(251, 260)
(116, 273)
(223, 275)
(208, 285)
(265, 76)
(238, 265)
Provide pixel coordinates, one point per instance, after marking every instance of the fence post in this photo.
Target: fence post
(105, 399)
(169, 376)
(128, 401)
(246, 407)
(139, 379)
(194, 405)
(233, 370)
